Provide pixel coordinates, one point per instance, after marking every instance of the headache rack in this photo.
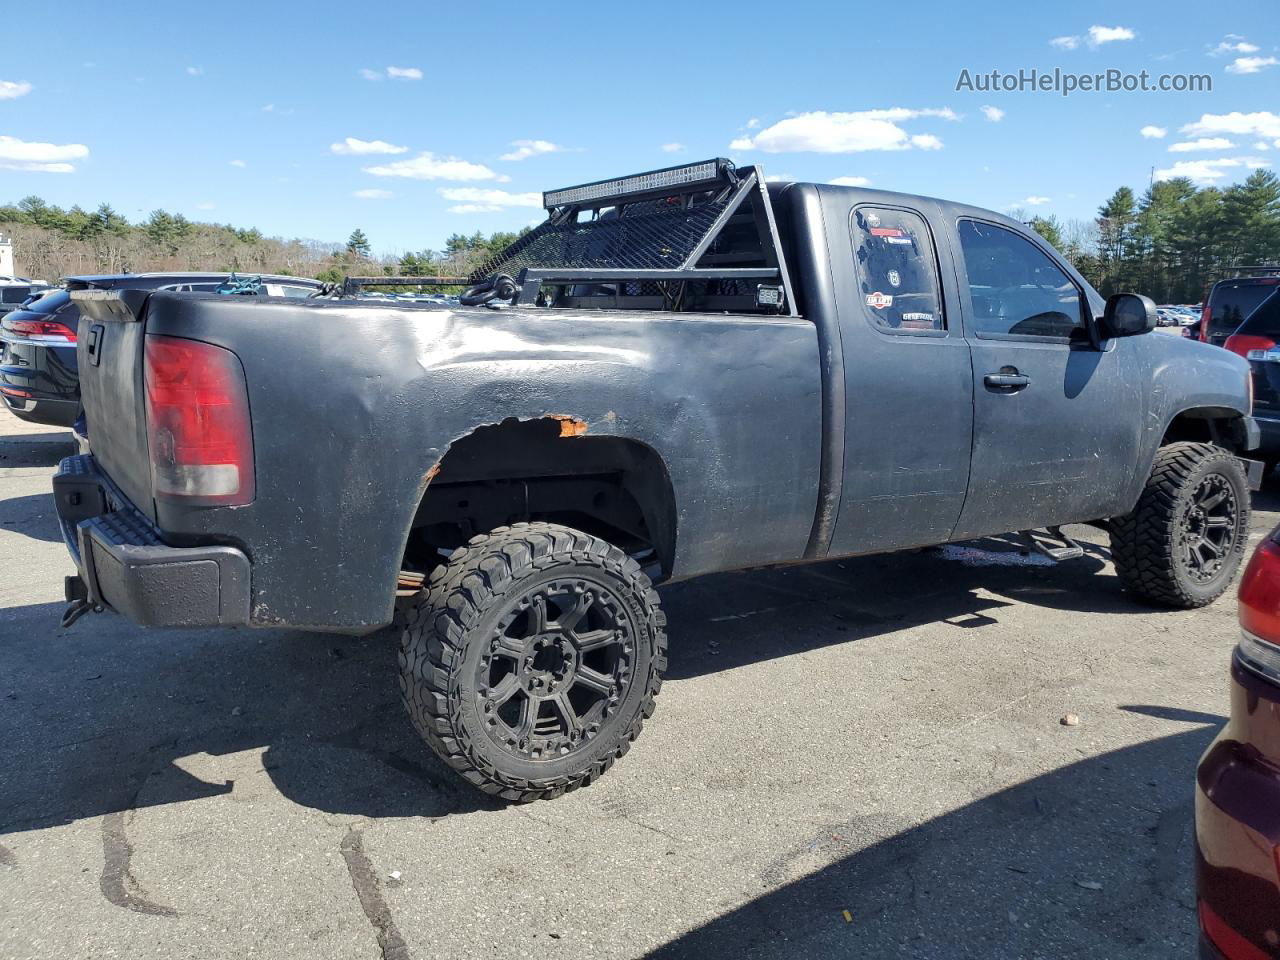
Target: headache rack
(697, 237)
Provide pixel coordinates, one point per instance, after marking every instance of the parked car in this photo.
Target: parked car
(1238, 785)
(1245, 306)
(1243, 315)
(708, 376)
(39, 377)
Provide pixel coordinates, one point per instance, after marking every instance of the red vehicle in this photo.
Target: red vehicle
(1238, 785)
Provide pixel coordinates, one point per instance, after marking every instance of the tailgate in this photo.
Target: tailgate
(109, 351)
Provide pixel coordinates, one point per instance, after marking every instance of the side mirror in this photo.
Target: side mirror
(1128, 314)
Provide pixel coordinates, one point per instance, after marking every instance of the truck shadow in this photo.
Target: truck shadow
(1096, 854)
(762, 614)
(92, 721)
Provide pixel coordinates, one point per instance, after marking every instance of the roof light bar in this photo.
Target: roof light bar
(708, 172)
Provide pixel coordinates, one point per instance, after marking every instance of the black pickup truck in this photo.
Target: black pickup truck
(680, 372)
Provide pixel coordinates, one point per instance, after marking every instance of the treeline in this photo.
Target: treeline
(50, 243)
(1175, 240)
(1170, 243)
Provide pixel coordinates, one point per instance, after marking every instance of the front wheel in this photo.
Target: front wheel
(1183, 542)
(532, 660)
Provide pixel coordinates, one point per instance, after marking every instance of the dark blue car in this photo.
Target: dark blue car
(38, 376)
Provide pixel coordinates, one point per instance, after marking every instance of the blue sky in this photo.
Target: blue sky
(458, 114)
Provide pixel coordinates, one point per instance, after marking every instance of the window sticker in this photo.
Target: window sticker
(879, 300)
(895, 280)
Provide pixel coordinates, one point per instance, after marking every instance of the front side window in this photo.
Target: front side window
(1016, 289)
(897, 271)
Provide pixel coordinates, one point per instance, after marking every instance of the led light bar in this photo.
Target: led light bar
(708, 172)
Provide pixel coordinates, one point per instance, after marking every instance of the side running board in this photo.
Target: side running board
(1063, 547)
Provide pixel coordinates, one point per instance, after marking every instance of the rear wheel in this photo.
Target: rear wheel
(1183, 542)
(532, 660)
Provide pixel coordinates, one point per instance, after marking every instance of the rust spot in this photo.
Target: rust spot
(569, 426)
(432, 473)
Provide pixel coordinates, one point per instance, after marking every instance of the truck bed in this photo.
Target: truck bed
(355, 404)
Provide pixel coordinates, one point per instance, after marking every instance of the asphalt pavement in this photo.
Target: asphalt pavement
(860, 758)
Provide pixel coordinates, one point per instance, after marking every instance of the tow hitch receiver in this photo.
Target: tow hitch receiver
(78, 602)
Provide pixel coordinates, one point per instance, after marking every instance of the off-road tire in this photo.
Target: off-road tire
(451, 630)
(1147, 544)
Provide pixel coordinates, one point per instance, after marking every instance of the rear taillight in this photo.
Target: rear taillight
(1204, 322)
(1245, 344)
(1260, 611)
(46, 330)
(198, 427)
(1232, 944)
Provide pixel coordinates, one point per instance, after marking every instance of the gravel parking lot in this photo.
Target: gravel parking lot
(853, 759)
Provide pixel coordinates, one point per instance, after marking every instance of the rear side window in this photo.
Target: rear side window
(1016, 289)
(897, 270)
(14, 294)
(1232, 306)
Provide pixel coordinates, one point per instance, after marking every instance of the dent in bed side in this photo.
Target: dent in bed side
(729, 404)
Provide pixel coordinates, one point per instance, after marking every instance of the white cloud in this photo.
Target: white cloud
(487, 200)
(672, 147)
(373, 193)
(1095, 37)
(404, 73)
(1207, 171)
(205, 206)
(12, 89)
(370, 74)
(1203, 143)
(353, 147)
(427, 166)
(1152, 132)
(1035, 201)
(1262, 123)
(1233, 43)
(1262, 145)
(994, 114)
(753, 123)
(34, 157)
(238, 163)
(824, 132)
(530, 148)
(1251, 64)
(194, 71)
(1100, 35)
(851, 182)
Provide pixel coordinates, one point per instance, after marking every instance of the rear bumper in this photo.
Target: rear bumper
(1238, 815)
(123, 564)
(56, 413)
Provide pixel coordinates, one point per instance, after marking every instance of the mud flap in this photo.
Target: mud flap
(1254, 470)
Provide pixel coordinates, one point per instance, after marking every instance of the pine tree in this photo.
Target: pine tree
(358, 244)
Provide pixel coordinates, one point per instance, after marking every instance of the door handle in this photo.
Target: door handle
(1007, 382)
